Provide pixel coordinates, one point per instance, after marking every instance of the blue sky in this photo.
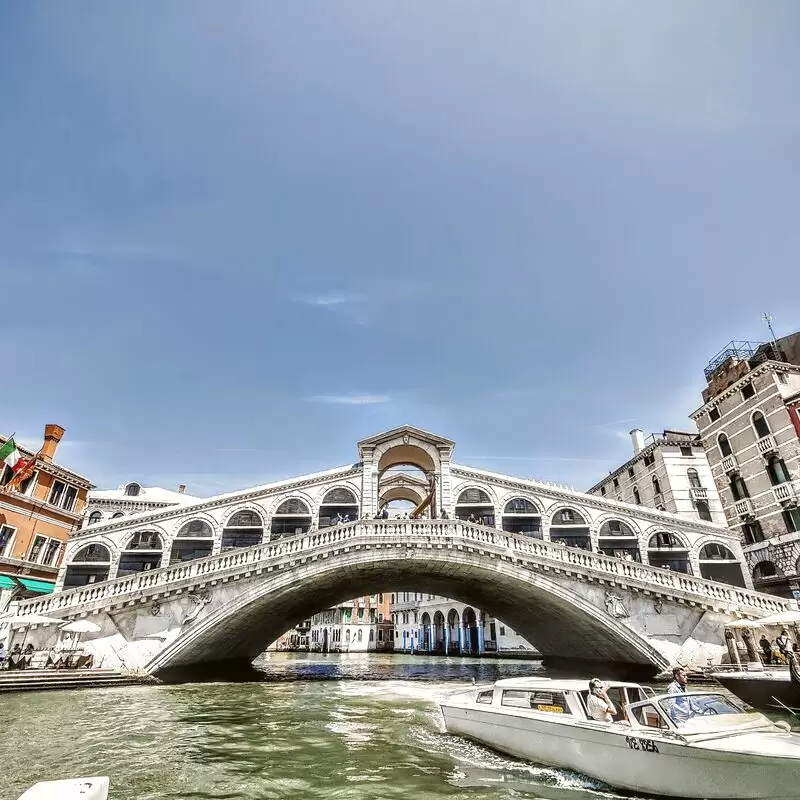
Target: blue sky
(237, 237)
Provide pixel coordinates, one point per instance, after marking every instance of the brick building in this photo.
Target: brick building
(37, 519)
(750, 427)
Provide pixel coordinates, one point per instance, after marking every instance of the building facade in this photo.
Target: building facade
(426, 623)
(669, 472)
(361, 625)
(37, 519)
(750, 427)
(131, 498)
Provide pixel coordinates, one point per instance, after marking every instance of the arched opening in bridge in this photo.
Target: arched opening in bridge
(398, 508)
(338, 505)
(667, 551)
(244, 529)
(143, 551)
(521, 517)
(617, 538)
(568, 527)
(475, 505)
(404, 481)
(292, 516)
(91, 564)
(194, 540)
(717, 563)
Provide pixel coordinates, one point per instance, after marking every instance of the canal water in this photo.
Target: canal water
(318, 726)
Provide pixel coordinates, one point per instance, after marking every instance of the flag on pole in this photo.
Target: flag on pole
(9, 452)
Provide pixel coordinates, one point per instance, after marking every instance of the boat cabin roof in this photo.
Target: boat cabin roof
(556, 684)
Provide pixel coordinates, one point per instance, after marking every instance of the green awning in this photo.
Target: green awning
(7, 583)
(40, 587)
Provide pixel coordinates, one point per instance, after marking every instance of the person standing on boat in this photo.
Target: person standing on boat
(678, 685)
(783, 644)
(598, 705)
(766, 649)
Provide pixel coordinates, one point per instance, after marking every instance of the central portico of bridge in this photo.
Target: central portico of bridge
(579, 576)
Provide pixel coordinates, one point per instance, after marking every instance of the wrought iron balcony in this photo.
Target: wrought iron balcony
(786, 493)
(730, 464)
(699, 492)
(744, 508)
(767, 445)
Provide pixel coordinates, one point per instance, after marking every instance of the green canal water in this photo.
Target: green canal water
(351, 726)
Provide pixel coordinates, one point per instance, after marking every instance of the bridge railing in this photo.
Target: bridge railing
(410, 532)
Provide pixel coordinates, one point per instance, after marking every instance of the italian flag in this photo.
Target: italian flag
(9, 452)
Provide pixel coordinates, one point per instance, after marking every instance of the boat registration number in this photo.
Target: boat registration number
(550, 709)
(644, 745)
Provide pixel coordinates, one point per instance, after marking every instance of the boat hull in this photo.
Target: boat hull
(762, 690)
(629, 759)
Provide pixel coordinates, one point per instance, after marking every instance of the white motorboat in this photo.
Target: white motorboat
(72, 789)
(693, 745)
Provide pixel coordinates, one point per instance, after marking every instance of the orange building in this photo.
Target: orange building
(37, 519)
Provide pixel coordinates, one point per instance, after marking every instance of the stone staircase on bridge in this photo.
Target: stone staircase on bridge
(413, 535)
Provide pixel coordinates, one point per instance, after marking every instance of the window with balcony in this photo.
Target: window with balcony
(760, 425)
(748, 391)
(713, 414)
(694, 478)
(776, 469)
(739, 489)
(752, 532)
(724, 445)
(791, 518)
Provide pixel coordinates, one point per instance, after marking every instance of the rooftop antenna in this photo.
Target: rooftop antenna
(767, 317)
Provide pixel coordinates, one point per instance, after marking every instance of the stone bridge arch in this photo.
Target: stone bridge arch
(240, 620)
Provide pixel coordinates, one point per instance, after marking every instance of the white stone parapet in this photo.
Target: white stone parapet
(285, 553)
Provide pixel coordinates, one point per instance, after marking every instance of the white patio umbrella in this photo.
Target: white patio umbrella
(744, 623)
(781, 618)
(25, 620)
(78, 627)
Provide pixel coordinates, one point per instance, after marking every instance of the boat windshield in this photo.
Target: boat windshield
(682, 707)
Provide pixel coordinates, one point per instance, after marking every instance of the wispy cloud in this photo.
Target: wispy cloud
(332, 299)
(349, 399)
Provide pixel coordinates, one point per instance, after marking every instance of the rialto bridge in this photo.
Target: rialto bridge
(579, 576)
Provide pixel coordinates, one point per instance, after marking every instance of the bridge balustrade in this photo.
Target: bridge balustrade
(398, 533)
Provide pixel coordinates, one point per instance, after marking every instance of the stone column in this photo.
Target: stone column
(431, 639)
(480, 638)
(461, 638)
(446, 639)
(733, 650)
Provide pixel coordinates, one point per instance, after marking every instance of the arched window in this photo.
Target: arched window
(703, 511)
(724, 445)
(91, 564)
(371, 635)
(616, 538)
(717, 563)
(338, 505)
(118, 514)
(95, 517)
(475, 505)
(194, 540)
(243, 529)
(760, 425)
(765, 569)
(668, 551)
(520, 516)
(292, 517)
(570, 528)
(694, 478)
(636, 498)
(142, 552)
(133, 490)
(776, 469)
(656, 486)
(359, 635)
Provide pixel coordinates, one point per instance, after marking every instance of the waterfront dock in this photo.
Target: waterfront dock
(36, 680)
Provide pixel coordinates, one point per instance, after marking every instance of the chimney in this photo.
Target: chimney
(52, 436)
(637, 437)
(182, 488)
